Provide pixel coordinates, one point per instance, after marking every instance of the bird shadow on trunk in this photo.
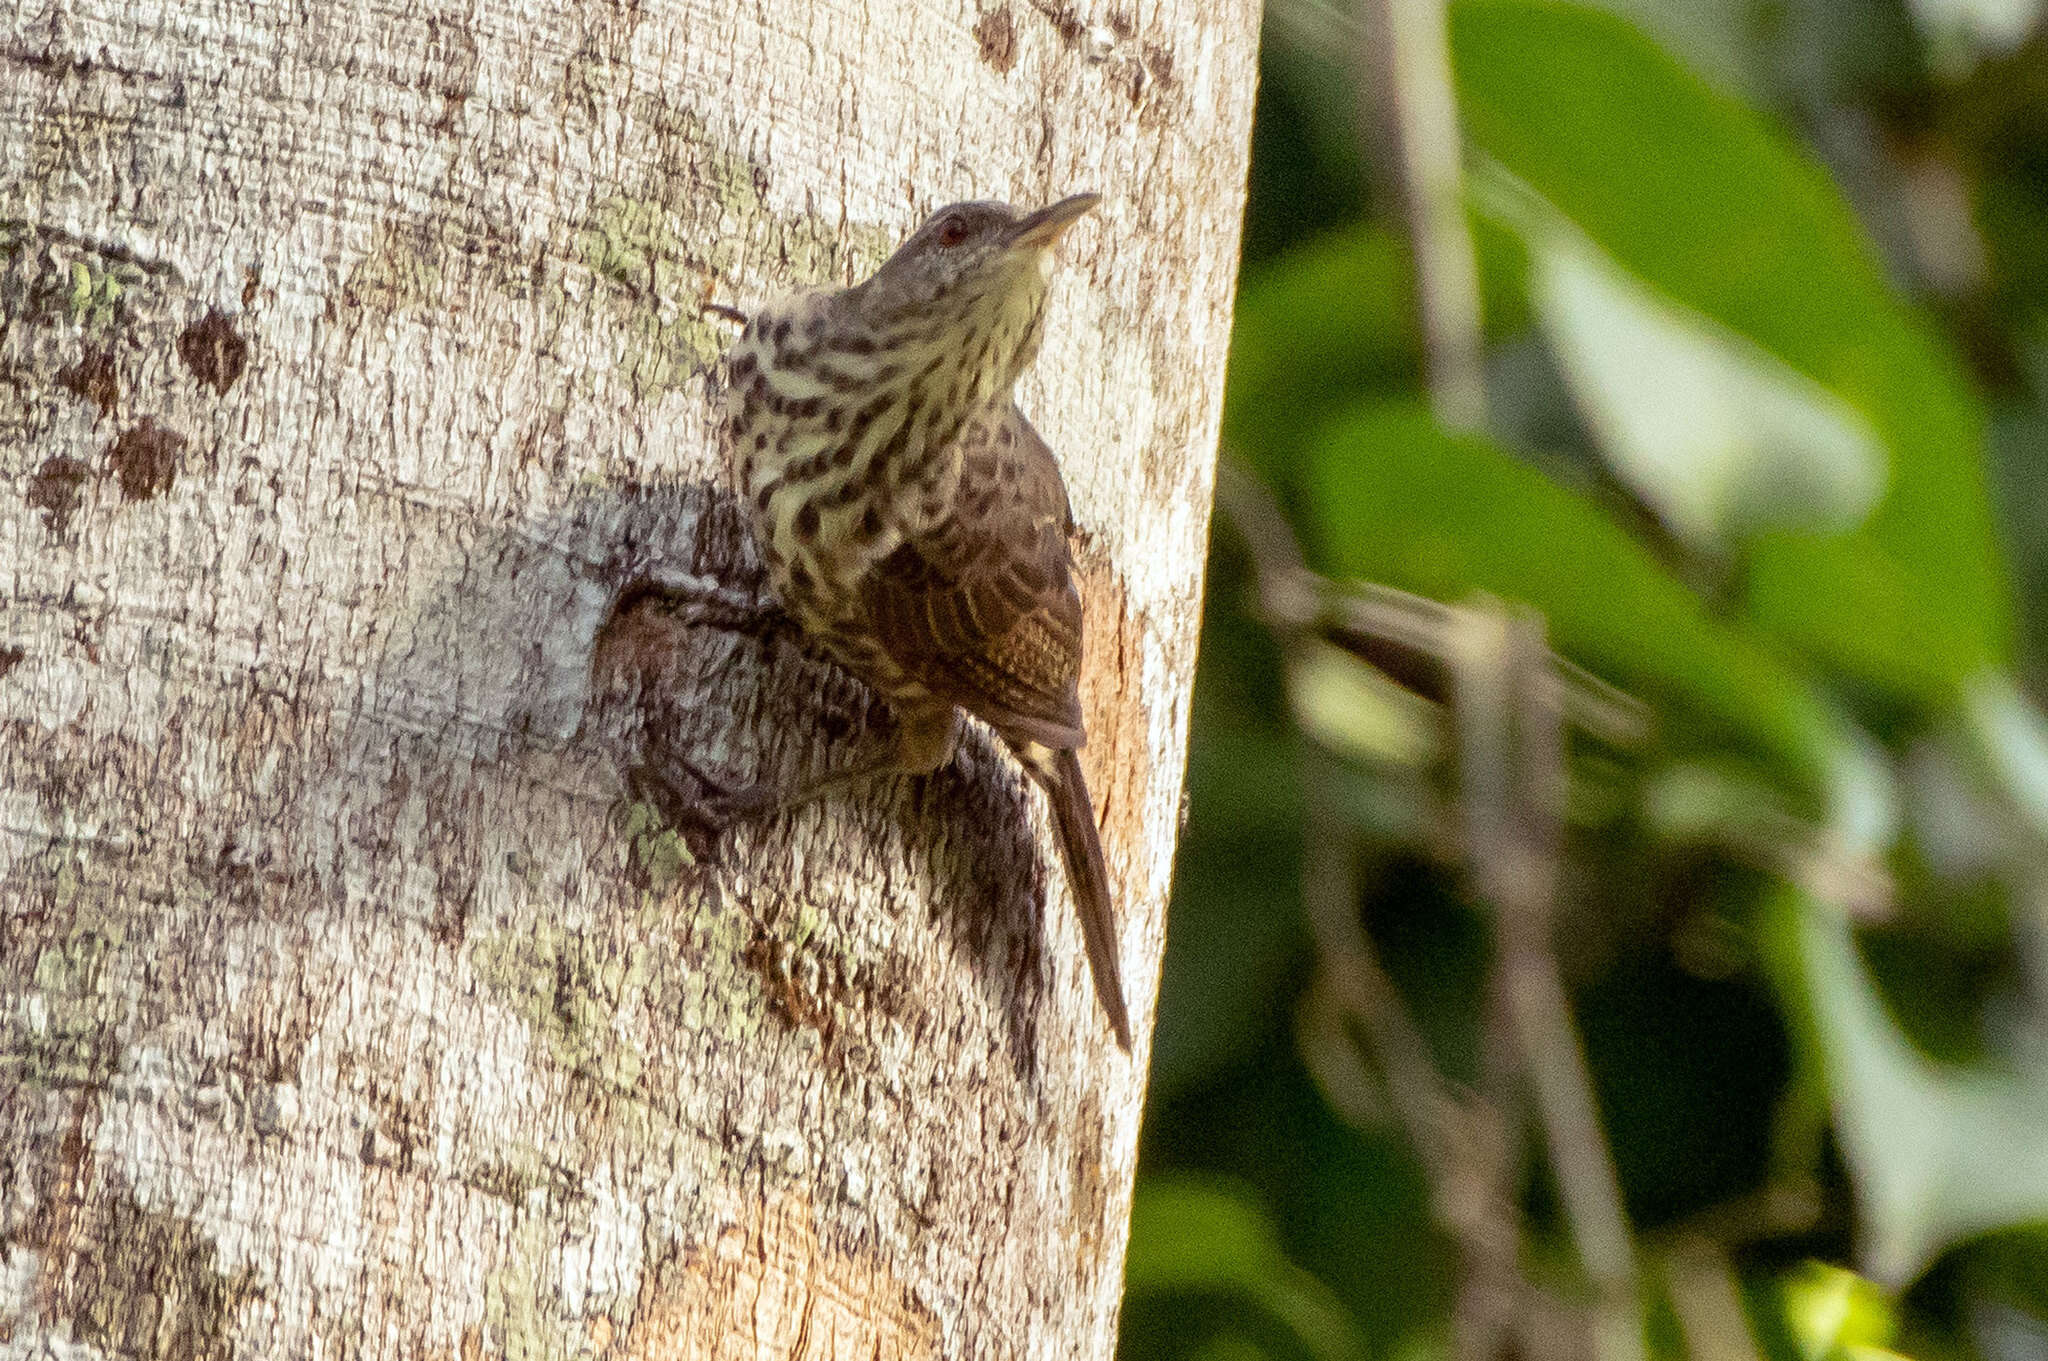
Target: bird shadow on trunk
(629, 627)
(701, 684)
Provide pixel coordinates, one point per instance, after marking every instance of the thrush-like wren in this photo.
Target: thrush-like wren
(915, 525)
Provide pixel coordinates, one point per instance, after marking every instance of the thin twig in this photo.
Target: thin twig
(1512, 787)
(724, 313)
(1465, 1146)
(1511, 700)
(1407, 636)
(1408, 49)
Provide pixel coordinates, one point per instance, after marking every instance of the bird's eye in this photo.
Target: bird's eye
(952, 231)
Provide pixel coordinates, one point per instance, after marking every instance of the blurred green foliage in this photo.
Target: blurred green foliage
(1809, 237)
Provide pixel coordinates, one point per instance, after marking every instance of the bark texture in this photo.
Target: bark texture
(351, 367)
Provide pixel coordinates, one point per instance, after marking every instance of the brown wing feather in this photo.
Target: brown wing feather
(982, 610)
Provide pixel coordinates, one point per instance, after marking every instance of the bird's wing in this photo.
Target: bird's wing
(982, 608)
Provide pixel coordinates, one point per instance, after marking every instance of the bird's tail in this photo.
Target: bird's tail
(1059, 772)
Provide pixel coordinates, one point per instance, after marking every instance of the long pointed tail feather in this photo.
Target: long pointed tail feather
(1081, 847)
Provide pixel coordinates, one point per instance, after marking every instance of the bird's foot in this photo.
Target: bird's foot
(697, 805)
(696, 602)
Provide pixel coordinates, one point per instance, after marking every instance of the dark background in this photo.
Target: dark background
(1803, 923)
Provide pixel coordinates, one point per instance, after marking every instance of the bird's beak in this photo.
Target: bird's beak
(1038, 231)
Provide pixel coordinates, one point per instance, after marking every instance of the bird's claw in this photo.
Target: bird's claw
(700, 815)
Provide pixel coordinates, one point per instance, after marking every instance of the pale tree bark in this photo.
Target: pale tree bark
(351, 365)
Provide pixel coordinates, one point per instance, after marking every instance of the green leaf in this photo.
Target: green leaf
(1402, 501)
(1196, 1234)
(1312, 332)
(1330, 323)
(1696, 195)
(1718, 436)
(1938, 1152)
(1833, 1311)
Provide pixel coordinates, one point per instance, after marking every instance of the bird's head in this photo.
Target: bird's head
(978, 267)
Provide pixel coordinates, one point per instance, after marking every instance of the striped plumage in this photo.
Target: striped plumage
(915, 525)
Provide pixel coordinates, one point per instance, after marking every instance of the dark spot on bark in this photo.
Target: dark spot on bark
(213, 351)
(139, 1282)
(997, 34)
(93, 379)
(807, 522)
(145, 459)
(1121, 25)
(251, 279)
(1159, 61)
(53, 490)
(10, 657)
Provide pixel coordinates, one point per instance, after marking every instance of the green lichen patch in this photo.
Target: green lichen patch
(662, 244)
(49, 276)
(452, 260)
(145, 1284)
(513, 1314)
(659, 852)
(513, 1171)
(65, 1032)
(94, 291)
(570, 989)
(402, 271)
(631, 244)
(78, 150)
(60, 1051)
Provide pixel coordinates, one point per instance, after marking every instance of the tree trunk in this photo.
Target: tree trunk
(351, 367)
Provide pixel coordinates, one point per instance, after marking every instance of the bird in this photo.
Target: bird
(914, 524)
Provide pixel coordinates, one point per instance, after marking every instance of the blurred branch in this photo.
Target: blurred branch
(1406, 63)
(1708, 1302)
(1408, 637)
(1511, 761)
(1510, 700)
